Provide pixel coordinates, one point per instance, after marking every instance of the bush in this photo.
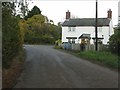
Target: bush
(58, 47)
(32, 39)
(12, 39)
(115, 42)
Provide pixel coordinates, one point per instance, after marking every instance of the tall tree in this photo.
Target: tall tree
(35, 11)
(19, 7)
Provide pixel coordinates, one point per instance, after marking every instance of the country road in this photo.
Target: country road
(46, 67)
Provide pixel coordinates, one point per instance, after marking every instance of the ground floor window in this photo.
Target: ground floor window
(69, 41)
(73, 40)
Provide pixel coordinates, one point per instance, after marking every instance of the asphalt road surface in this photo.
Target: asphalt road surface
(46, 67)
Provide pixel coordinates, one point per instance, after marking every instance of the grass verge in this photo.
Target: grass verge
(10, 75)
(102, 58)
(106, 58)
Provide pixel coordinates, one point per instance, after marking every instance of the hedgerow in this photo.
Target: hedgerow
(12, 37)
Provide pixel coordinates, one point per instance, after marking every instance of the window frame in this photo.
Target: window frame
(71, 29)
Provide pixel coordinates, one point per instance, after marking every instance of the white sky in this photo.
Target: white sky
(56, 10)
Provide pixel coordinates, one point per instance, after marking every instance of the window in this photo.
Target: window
(100, 29)
(69, 41)
(73, 28)
(73, 40)
(69, 29)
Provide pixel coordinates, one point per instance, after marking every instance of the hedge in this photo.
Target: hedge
(12, 39)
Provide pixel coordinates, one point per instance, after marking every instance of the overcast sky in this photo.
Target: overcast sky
(55, 10)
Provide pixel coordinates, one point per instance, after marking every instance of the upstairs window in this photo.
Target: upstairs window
(71, 29)
(100, 29)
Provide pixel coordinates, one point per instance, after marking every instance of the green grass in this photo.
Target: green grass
(105, 58)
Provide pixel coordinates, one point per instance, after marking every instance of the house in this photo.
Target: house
(74, 30)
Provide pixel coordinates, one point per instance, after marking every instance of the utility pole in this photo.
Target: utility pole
(96, 25)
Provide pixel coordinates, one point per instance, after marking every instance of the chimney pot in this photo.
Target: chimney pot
(68, 15)
(109, 14)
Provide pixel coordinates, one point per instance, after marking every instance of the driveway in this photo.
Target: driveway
(46, 67)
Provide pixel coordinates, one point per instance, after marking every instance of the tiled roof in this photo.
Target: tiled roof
(86, 22)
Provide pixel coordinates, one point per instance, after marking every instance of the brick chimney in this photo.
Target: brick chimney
(109, 14)
(68, 15)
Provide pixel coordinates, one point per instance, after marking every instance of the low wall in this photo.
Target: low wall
(90, 47)
(75, 47)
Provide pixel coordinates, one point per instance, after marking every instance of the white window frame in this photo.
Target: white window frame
(69, 40)
(71, 29)
(100, 29)
(73, 40)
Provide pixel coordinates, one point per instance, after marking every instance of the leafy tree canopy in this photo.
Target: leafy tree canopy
(36, 19)
(35, 11)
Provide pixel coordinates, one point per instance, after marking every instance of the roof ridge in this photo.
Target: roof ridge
(86, 22)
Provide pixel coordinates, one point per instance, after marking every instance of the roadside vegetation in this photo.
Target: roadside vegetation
(114, 46)
(12, 46)
(10, 75)
(57, 47)
(12, 36)
(38, 29)
(106, 58)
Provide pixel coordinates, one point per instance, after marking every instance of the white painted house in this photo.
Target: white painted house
(73, 29)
